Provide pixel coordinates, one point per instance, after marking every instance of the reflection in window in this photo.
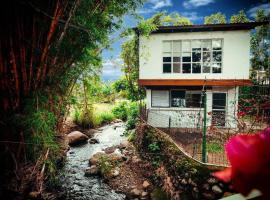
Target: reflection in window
(193, 99)
(192, 56)
(196, 68)
(178, 98)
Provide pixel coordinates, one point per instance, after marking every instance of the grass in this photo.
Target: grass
(214, 148)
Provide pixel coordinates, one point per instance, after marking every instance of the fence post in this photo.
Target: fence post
(204, 128)
(170, 124)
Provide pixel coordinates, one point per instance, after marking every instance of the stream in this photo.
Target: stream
(80, 187)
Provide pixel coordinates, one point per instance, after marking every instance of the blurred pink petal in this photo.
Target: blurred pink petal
(249, 156)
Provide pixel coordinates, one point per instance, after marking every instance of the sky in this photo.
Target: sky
(195, 10)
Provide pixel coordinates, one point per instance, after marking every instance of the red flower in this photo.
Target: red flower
(241, 113)
(249, 156)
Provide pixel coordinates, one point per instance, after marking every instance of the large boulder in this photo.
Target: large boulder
(76, 137)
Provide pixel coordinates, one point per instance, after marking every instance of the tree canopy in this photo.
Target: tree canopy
(241, 17)
(216, 18)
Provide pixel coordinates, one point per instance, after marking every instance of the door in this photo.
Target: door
(219, 109)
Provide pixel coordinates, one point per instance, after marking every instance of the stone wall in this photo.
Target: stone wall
(180, 176)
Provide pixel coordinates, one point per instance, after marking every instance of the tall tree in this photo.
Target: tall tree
(260, 46)
(216, 18)
(241, 17)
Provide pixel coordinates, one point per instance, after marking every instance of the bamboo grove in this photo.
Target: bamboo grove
(44, 47)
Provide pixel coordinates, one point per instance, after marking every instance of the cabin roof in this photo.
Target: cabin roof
(207, 27)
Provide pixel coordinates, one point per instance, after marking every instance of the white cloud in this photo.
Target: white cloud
(160, 3)
(192, 16)
(153, 5)
(196, 3)
(111, 69)
(146, 10)
(252, 11)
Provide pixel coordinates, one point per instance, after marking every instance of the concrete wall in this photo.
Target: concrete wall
(236, 50)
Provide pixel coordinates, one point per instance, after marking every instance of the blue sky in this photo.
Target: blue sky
(195, 10)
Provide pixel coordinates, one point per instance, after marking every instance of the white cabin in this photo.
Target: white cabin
(178, 63)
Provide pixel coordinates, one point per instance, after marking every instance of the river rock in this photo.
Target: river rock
(93, 170)
(135, 192)
(110, 150)
(144, 194)
(93, 141)
(115, 172)
(95, 158)
(146, 184)
(135, 159)
(76, 137)
(124, 145)
(216, 189)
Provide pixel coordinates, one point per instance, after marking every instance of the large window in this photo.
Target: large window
(160, 98)
(192, 56)
(176, 98)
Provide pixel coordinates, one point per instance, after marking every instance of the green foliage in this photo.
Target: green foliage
(104, 118)
(241, 17)
(105, 165)
(154, 147)
(260, 45)
(131, 136)
(120, 110)
(85, 117)
(217, 18)
(214, 147)
(132, 115)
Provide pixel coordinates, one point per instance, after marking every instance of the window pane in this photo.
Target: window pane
(206, 67)
(196, 56)
(178, 98)
(216, 68)
(176, 67)
(206, 45)
(176, 46)
(219, 100)
(167, 68)
(217, 56)
(167, 46)
(167, 59)
(176, 57)
(186, 67)
(160, 98)
(186, 57)
(206, 56)
(196, 68)
(193, 100)
(216, 44)
(196, 45)
(185, 46)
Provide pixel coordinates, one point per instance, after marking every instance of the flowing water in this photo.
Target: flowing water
(78, 186)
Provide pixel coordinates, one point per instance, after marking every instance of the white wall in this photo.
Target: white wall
(236, 48)
(188, 117)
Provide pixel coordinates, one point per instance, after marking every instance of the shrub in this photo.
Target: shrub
(214, 148)
(131, 136)
(132, 116)
(103, 118)
(120, 111)
(154, 147)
